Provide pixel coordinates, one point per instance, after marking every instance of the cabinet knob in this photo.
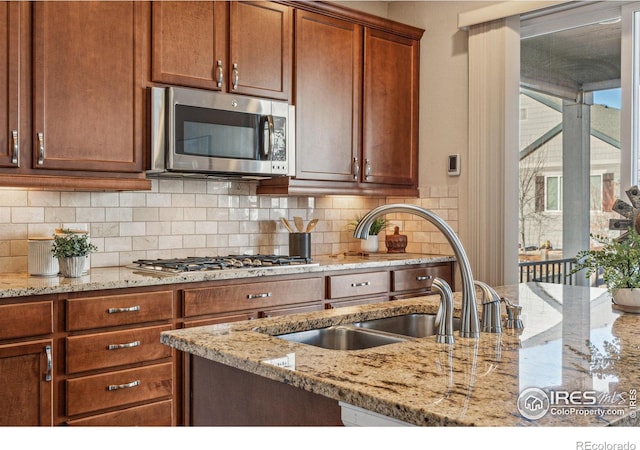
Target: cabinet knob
(356, 169)
(236, 76)
(364, 283)
(424, 278)
(219, 73)
(367, 170)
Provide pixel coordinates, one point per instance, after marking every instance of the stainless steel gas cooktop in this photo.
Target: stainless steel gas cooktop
(208, 263)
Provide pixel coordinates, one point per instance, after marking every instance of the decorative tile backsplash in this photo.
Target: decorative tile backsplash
(184, 217)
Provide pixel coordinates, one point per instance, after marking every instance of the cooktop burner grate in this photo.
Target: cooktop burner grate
(199, 264)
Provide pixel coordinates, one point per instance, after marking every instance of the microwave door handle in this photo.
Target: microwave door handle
(271, 133)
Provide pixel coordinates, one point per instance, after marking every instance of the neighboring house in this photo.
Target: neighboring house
(540, 218)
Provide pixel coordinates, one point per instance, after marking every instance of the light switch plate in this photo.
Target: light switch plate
(453, 168)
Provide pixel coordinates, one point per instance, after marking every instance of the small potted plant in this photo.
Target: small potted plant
(370, 245)
(619, 261)
(71, 248)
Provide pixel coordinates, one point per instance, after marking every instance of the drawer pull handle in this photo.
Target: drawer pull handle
(119, 346)
(424, 278)
(364, 283)
(47, 375)
(115, 387)
(122, 310)
(263, 295)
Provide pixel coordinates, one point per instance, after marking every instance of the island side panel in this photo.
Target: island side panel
(225, 396)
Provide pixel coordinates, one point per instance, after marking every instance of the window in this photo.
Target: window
(601, 192)
(553, 193)
(596, 192)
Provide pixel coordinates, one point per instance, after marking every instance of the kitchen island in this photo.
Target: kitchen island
(575, 348)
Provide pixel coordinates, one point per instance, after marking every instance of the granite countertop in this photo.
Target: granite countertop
(572, 342)
(21, 284)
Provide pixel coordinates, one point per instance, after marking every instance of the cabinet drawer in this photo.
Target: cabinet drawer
(123, 387)
(107, 311)
(418, 278)
(240, 297)
(98, 351)
(26, 319)
(357, 284)
(159, 414)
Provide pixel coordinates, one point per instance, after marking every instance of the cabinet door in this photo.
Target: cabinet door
(88, 93)
(188, 43)
(390, 109)
(328, 84)
(260, 42)
(26, 391)
(9, 58)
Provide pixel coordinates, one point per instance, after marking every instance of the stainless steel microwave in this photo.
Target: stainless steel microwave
(222, 135)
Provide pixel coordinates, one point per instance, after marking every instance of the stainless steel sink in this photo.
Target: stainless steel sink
(341, 337)
(414, 325)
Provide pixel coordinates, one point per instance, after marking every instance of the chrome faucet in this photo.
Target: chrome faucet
(470, 326)
(491, 316)
(444, 318)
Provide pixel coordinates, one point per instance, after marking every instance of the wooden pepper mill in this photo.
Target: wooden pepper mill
(396, 242)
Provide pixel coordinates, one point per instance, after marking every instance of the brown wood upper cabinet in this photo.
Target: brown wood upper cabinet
(9, 82)
(241, 47)
(88, 89)
(328, 60)
(363, 138)
(390, 109)
(74, 114)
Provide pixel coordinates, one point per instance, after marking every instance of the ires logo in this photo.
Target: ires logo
(574, 398)
(534, 403)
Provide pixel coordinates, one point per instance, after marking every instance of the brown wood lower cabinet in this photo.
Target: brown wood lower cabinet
(124, 387)
(26, 388)
(225, 396)
(415, 281)
(95, 358)
(152, 415)
(116, 348)
(117, 371)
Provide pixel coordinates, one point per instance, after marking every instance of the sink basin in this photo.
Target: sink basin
(341, 337)
(414, 325)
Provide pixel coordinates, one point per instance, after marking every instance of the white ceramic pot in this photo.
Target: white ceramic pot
(627, 299)
(73, 266)
(40, 261)
(369, 245)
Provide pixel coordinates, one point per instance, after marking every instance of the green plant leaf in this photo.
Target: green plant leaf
(376, 227)
(618, 260)
(68, 243)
